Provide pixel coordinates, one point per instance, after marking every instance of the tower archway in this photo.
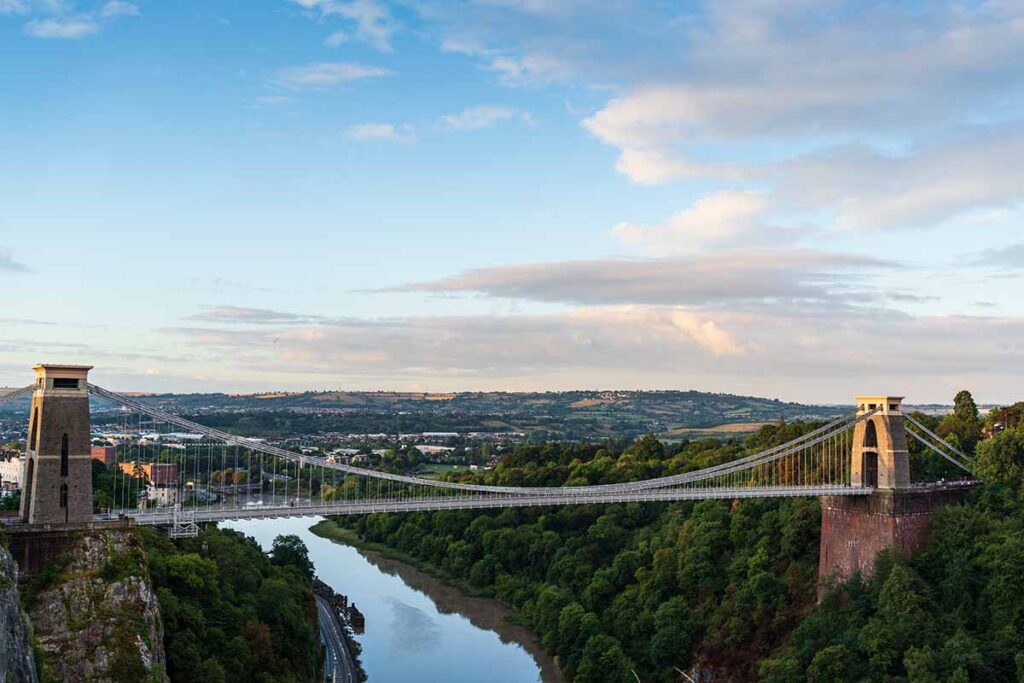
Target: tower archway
(880, 457)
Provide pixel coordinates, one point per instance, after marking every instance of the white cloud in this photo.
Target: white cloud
(336, 39)
(801, 278)
(70, 28)
(665, 323)
(721, 217)
(373, 22)
(652, 167)
(326, 74)
(484, 116)
(13, 7)
(118, 8)
(924, 187)
(380, 132)
(767, 352)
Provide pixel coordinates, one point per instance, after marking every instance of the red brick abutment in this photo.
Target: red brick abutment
(855, 529)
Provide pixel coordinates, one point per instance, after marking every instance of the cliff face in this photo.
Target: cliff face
(16, 662)
(98, 619)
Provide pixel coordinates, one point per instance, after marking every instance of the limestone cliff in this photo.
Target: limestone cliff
(16, 662)
(96, 616)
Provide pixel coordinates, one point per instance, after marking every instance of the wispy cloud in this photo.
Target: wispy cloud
(118, 8)
(13, 7)
(1007, 258)
(58, 20)
(9, 265)
(380, 132)
(69, 28)
(483, 116)
(766, 351)
(722, 219)
(786, 277)
(372, 20)
(326, 74)
(241, 314)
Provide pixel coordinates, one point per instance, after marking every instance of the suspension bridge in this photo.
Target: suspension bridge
(178, 473)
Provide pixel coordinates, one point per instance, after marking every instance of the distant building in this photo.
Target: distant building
(433, 450)
(11, 466)
(161, 496)
(158, 474)
(105, 454)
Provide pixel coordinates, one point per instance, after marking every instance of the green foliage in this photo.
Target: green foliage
(11, 501)
(644, 588)
(229, 613)
(955, 612)
(963, 426)
(289, 551)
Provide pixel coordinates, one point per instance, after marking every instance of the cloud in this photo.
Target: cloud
(721, 218)
(241, 314)
(326, 74)
(480, 345)
(1006, 258)
(9, 265)
(373, 22)
(483, 116)
(380, 132)
(652, 167)
(758, 68)
(337, 38)
(70, 28)
(13, 7)
(766, 352)
(118, 8)
(925, 186)
(794, 277)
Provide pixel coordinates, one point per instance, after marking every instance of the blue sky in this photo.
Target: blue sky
(807, 199)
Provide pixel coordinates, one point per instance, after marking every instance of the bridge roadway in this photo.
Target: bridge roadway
(369, 506)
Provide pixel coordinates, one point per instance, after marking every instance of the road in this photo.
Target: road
(339, 659)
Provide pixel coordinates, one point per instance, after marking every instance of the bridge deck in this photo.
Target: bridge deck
(362, 507)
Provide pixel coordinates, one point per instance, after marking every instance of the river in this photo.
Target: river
(417, 628)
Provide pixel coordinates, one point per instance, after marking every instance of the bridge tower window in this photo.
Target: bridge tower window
(63, 496)
(64, 455)
(33, 429)
(64, 383)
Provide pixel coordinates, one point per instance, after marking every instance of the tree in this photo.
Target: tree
(1001, 457)
(963, 423)
(602, 662)
(289, 550)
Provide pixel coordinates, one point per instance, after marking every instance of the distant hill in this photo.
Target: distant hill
(575, 414)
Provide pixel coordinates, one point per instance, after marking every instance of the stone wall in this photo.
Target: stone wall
(855, 529)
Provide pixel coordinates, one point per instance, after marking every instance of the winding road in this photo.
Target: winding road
(340, 667)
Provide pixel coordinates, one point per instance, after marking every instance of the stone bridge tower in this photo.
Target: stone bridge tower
(57, 486)
(896, 516)
(881, 459)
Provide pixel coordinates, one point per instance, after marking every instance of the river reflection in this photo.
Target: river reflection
(417, 629)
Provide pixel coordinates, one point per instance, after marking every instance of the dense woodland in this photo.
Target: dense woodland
(725, 591)
(231, 612)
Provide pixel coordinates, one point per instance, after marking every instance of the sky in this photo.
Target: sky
(809, 199)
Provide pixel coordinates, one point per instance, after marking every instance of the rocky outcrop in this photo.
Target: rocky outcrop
(98, 619)
(16, 662)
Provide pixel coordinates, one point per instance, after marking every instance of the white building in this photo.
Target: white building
(11, 468)
(161, 496)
